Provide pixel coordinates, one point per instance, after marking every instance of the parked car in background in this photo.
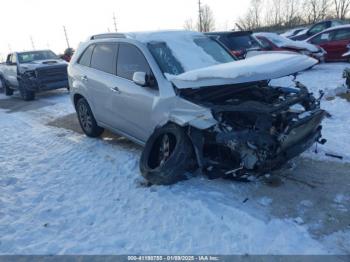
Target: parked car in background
(239, 43)
(317, 28)
(334, 40)
(275, 42)
(192, 105)
(32, 72)
(293, 32)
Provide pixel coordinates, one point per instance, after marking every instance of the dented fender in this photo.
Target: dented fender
(185, 113)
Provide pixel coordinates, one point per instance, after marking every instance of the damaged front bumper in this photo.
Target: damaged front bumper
(253, 138)
(238, 155)
(44, 79)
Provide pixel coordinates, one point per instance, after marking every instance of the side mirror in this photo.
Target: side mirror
(140, 78)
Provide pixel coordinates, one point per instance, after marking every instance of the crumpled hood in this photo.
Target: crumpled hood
(256, 68)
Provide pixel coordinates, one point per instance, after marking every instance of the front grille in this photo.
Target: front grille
(52, 74)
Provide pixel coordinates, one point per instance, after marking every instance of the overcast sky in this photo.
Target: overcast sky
(43, 20)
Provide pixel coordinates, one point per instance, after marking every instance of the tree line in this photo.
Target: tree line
(291, 13)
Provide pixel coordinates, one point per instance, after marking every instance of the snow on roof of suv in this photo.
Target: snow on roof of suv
(185, 56)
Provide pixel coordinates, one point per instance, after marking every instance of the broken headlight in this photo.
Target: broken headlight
(30, 74)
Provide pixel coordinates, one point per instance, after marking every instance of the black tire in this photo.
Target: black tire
(26, 94)
(8, 90)
(87, 120)
(159, 169)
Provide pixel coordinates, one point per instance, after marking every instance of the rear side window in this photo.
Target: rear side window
(343, 34)
(85, 59)
(131, 60)
(103, 57)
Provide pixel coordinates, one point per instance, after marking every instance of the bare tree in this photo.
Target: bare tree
(291, 12)
(189, 25)
(315, 10)
(206, 22)
(341, 8)
(253, 17)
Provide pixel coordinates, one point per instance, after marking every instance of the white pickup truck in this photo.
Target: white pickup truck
(32, 72)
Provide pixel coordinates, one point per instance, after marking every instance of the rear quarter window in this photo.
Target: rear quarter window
(85, 59)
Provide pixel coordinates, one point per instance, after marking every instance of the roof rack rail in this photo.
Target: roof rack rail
(108, 35)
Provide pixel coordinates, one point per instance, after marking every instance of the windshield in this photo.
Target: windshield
(204, 52)
(28, 57)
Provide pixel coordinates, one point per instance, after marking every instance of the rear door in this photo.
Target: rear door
(100, 78)
(337, 47)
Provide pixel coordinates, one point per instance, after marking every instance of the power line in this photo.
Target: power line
(31, 40)
(115, 23)
(66, 36)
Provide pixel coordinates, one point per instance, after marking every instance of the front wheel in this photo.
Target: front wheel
(26, 94)
(8, 90)
(87, 120)
(167, 156)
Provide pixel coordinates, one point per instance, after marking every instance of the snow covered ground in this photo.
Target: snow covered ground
(64, 193)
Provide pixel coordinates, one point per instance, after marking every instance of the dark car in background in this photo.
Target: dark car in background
(335, 41)
(239, 43)
(317, 28)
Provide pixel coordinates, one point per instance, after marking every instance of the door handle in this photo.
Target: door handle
(84, 78)
(116, 90)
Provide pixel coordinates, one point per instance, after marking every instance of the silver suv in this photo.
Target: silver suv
(192, 105)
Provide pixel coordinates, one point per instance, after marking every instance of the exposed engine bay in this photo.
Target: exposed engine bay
(259, 127)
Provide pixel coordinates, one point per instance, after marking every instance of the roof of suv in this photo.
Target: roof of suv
(148, 36)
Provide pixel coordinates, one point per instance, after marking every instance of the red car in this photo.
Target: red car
(334, 40)
(275, 42)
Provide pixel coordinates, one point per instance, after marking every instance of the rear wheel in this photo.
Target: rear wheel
(167, 156)
(87, 120)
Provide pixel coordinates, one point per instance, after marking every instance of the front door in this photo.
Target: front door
(132, 103)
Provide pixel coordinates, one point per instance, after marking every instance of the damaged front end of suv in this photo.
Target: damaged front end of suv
(259, 127)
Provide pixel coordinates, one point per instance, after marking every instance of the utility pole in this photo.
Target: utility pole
(31, 40)
(115, 23)
(200, 16)
(66, 36)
